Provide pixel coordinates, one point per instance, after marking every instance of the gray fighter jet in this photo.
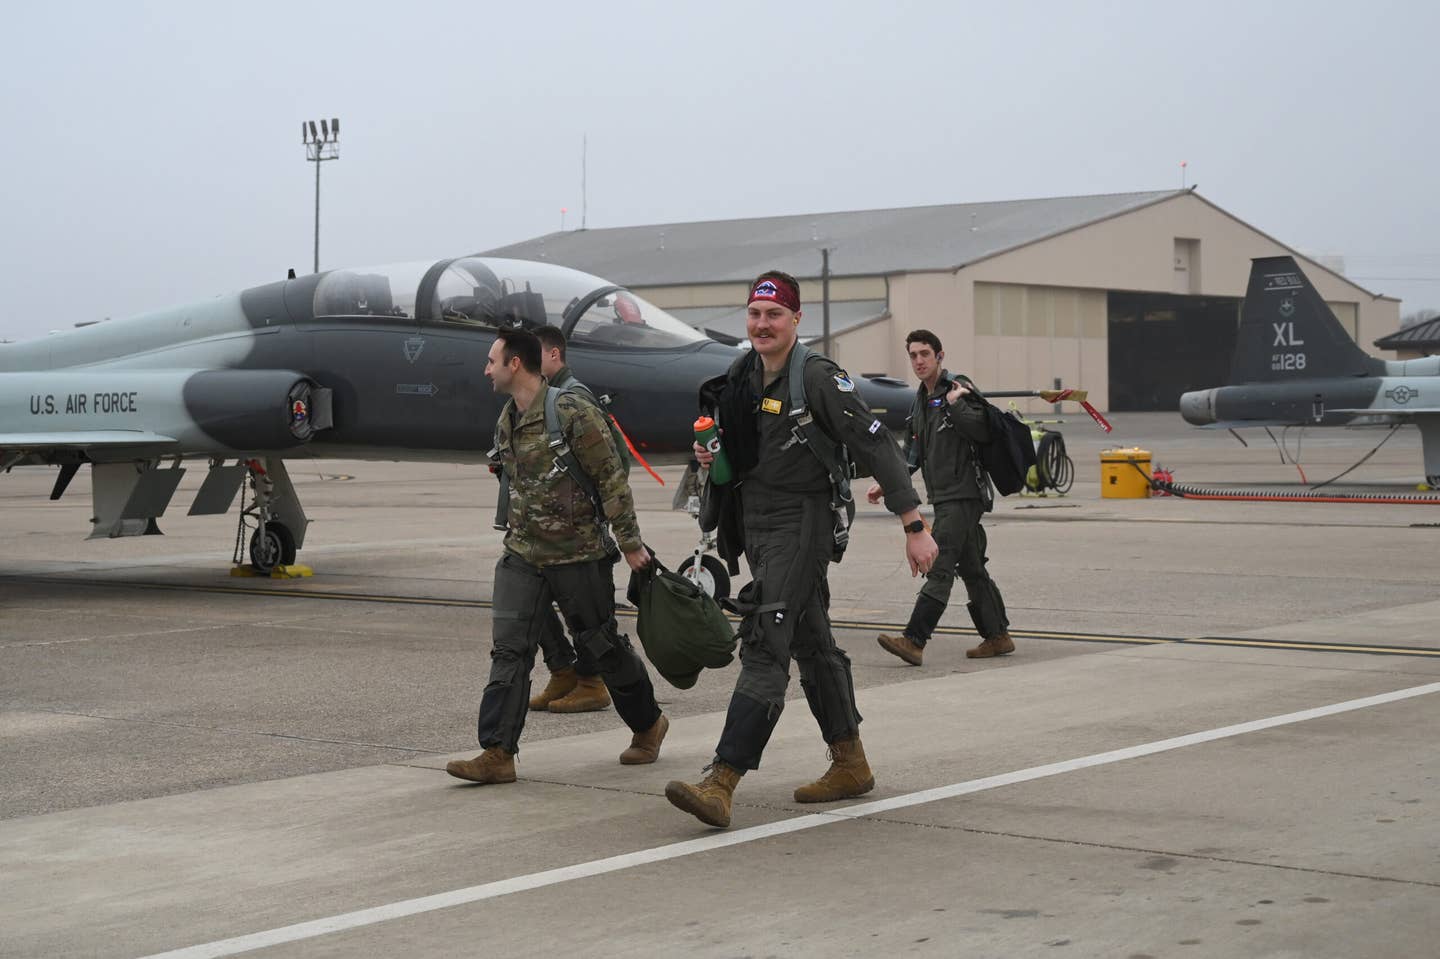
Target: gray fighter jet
(382, 363)
(1296, 366)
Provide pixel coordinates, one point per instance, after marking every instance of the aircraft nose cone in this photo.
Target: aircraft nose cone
(1198, 407)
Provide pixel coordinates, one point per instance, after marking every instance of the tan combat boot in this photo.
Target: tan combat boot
(588, 695)
(992, 646)
(561, 683)
(709, 799)
(902, 646)
(645, 746)
(494, 765)
(848, 776)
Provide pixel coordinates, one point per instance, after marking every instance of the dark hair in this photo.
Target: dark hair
(923, 336)
(551, 339)
(782, 277)
(521, 343)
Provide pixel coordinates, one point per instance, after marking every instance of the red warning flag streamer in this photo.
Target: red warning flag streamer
(634, 452)
(1095, 415)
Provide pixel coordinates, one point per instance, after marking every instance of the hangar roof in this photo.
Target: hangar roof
(1422, 336)
(865, 242)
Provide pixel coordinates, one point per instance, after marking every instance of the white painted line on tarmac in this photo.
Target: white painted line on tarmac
(720, 840)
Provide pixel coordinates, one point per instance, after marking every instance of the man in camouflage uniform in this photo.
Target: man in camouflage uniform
(575, 685)
(557, 549)
(946, 423)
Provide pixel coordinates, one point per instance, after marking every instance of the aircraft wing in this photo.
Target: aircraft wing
(1394, 411)
(87, 440)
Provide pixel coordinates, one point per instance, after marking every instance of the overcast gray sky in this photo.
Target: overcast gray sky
(153, 154)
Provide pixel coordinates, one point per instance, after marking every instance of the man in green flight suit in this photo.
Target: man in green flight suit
(557, 549)
(945, 424)
(793, 513)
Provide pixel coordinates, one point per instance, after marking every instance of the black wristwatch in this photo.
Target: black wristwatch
(916, 527)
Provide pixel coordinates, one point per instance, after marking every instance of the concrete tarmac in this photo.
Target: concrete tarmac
(202, 765)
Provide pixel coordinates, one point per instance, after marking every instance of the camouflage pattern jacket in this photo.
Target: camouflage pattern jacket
(552, 520)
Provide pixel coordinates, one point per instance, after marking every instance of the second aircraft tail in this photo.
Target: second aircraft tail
(1288, 332)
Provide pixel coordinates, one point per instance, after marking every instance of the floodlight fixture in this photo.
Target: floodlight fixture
(321, 144)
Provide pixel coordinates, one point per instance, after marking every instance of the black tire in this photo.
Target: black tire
(272, 546)
(712, 575)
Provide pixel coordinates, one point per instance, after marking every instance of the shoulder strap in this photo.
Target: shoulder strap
(796, 372)
(502, 501)
(915, 449)
(571, 385)
(565, 460)
(829, 451)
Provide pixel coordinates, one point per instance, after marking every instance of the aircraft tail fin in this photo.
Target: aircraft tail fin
(1288, 332)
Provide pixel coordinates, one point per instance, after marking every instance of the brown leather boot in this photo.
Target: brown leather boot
(848, 776)
(494, 765)
(902, 646)
(561, 683)
(992, 646)
(588, 695)
(645, 747)
(709, 799)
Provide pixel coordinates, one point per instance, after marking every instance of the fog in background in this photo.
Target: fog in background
(153, 156)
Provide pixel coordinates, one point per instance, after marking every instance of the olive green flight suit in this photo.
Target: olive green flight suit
(789, 531)
(942, 442)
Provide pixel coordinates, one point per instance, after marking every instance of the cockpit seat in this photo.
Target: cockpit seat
(356, 294)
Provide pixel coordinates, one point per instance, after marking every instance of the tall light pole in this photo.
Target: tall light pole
(320, 145)
(825, 300)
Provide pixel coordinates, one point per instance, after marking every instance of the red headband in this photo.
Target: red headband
(777, 291)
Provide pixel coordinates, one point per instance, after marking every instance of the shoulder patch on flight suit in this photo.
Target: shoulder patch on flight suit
(770, 405)
(843, 383)
(874, 427)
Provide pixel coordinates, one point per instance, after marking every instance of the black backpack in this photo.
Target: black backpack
(1010, 453)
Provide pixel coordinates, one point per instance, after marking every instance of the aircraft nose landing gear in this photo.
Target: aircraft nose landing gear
(271, 546)
(273, 518)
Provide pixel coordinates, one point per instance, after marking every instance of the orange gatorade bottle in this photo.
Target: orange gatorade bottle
(709, 437)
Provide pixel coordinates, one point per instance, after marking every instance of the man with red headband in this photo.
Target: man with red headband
(788, 444)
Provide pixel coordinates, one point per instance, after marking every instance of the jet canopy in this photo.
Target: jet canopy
(489, 292)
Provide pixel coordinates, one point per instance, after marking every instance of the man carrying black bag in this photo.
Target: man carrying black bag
(946, 424)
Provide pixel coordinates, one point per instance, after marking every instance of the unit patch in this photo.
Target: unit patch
(770, 404)
(844, 384)
(874, 427)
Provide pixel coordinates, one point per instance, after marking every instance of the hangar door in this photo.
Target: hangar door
(1162, 345)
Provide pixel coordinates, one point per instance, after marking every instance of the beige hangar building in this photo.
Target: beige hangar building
(1133, 296)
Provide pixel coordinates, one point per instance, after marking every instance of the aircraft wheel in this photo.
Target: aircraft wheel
(272, 546)
(711, 575)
